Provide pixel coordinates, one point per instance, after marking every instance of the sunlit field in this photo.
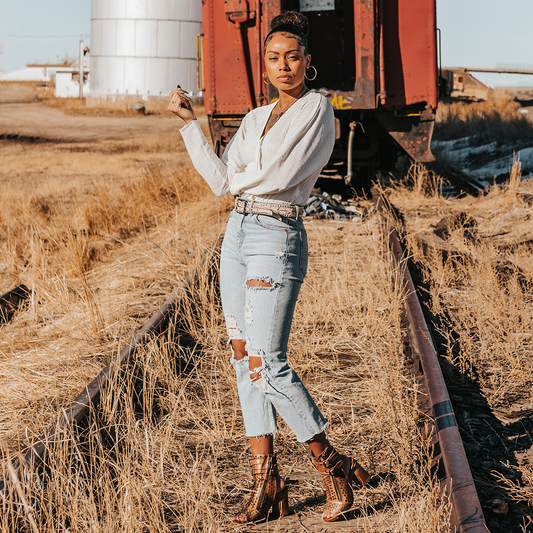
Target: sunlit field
(103, 232)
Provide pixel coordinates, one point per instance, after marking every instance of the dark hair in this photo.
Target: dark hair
(294, 23)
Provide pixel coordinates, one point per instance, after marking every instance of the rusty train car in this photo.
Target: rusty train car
(376, 62)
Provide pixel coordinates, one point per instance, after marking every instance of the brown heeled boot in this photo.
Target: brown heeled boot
(264, 497)
(339, 495)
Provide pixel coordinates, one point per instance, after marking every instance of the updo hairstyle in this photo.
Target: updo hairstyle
(290, 24)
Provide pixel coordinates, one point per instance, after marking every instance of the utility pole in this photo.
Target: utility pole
(81, 70)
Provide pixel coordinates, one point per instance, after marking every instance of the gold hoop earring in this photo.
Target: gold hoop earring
(266, 80)
(316, 73)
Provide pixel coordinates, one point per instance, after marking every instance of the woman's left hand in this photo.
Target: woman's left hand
(181, 106)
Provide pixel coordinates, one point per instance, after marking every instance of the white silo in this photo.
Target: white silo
(143, 48)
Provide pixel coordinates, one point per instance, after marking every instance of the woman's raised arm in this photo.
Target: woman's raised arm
(218, 173)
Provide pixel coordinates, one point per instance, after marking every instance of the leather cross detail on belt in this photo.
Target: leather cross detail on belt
(244, 207)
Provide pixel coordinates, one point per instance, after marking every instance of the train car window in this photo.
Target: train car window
(317, 5)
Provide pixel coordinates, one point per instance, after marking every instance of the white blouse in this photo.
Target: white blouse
(281, 166)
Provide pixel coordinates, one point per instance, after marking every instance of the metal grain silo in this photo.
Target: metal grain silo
(143, 47)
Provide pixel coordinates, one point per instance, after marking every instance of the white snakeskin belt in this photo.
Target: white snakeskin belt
(244, 207)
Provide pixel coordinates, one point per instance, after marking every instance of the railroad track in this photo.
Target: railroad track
(76, 412)
(467, 512)
(464, 277)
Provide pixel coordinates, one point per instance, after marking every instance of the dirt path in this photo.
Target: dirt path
(21, 116)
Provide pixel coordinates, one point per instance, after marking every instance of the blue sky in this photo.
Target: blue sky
(40, 30)
(483, 33)
(475, 33)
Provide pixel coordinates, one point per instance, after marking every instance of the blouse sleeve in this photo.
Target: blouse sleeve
(305, 150)
(216, 172)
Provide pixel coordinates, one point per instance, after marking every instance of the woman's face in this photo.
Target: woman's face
(285, 62)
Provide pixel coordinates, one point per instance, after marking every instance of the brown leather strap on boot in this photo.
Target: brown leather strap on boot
(339, 495)
(265, 475)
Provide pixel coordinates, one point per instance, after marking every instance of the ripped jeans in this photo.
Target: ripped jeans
(263, 248)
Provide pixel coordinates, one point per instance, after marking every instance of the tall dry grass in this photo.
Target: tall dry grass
(102, 234)
(497, 119)
(487, 321)
(422, 182)
(480, 297)
(483, 294)
(73, 207)
(166, 450)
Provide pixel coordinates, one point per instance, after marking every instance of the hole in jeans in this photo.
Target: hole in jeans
(258, 283)
(257, 370)
(234, 333)
(239, 350)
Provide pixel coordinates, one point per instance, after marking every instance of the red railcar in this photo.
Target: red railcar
(376, 62)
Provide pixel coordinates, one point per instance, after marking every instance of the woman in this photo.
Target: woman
(271, 164)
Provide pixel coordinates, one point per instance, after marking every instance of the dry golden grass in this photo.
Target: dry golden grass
(166, 449)
(177, 461)
(119, 108)
(77, 107)
(102, 107)
(485, 293)
(497, 119)
(90, 232)
(78, 200)
(481, 297)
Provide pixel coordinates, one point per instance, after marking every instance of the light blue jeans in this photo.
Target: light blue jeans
(263, 248)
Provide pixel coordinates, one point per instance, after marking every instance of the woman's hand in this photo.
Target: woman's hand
(180, 105)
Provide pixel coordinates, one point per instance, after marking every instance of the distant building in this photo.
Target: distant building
(65, 77)
(30, 73)
(143, 48)
(461, 84)
(67, 80)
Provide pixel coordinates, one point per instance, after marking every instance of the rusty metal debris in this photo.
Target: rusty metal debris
(322, 205)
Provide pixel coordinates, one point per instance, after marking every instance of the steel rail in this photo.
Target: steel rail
(467, 510)
(11, 300)
(79, 408)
